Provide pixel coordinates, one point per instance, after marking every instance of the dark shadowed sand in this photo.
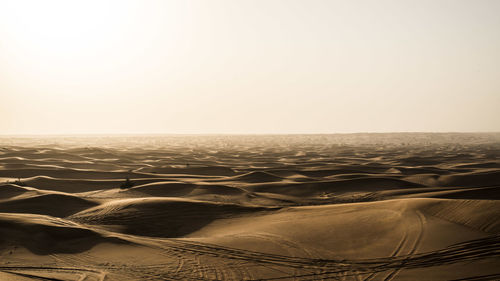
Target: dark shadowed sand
(322, 207)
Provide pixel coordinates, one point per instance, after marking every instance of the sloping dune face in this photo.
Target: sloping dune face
(303, 207)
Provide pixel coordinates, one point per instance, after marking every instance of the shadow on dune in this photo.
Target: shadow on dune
(57, 205)
(160, 217)
(179, 189)
(368, 184)
(208, 170)
(10, 190)
(474, 179)
(44, 235)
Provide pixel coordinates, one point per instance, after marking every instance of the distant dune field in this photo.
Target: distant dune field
(286, 207)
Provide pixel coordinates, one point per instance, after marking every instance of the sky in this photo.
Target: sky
(249, 67)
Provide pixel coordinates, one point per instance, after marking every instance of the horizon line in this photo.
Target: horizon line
(233, 134)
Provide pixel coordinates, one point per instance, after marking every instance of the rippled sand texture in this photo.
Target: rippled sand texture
(324, 207)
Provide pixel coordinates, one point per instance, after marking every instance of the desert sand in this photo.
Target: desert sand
(287, 207)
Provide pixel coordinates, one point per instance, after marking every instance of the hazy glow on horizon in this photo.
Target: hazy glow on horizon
(265, 66)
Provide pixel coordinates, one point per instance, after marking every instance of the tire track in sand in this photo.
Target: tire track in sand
(394, 253)
(415, 246)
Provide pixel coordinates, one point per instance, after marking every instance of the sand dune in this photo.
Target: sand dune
(327, 207)
(165, 217)
(43, 235)
(486, 178)
(333, 188)
(11, 190)
(169, 189)
(70, 185)
(57, 205)
(259, 176)
(207, 170)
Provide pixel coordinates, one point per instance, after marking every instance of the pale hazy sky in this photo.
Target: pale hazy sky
(249, 66)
